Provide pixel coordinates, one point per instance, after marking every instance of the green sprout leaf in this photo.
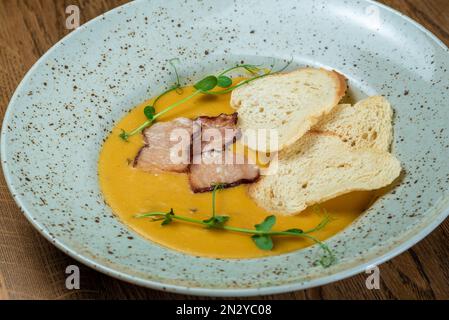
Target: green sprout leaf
(166, 221)
(328, 258)
(216, 221)
(124, 135)
(149, 112)
(224, 81)
(326, 261)
(267, 224)
(206, 84)
(168, 218)
(263, 242)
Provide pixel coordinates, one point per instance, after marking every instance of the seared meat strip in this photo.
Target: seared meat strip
(216, 133)
(223, 168)
(167, 146)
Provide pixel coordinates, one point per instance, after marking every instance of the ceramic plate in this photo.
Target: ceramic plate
(69, 101)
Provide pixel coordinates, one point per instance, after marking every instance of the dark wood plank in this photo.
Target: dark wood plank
(32, 268)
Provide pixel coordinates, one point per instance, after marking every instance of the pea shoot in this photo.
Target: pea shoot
(262, 234)
(206, 86)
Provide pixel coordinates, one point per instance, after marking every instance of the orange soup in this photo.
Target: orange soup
(130, 191)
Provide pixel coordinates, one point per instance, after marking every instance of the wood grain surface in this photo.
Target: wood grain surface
(31, 268)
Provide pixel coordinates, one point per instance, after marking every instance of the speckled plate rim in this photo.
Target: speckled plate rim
(382, 255)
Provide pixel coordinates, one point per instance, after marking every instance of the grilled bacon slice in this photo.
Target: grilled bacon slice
(221, 167)
(167, 146)
(196, 147)
(216, 133)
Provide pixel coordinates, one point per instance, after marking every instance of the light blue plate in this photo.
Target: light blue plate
(71, 98)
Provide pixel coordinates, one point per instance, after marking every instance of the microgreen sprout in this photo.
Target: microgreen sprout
(224, 81)
(205, 86)
(262, 234)
(150, 111)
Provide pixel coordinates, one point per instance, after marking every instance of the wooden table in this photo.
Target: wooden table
(31, 268)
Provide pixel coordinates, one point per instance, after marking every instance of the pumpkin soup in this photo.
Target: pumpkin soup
(130, 191)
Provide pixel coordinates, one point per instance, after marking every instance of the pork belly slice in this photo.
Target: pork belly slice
(167, 146)
(216, 133)
(221, 168)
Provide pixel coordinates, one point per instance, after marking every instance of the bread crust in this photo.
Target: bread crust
(327, 168)
(312, 119)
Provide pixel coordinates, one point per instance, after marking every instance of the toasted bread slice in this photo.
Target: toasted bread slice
(290, 103)
(318, 168)
(367, 124)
